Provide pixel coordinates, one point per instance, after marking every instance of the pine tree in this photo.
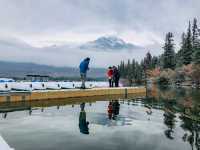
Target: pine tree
(197, 55)
(154, 62)
(196, 42)
(138, 72)
(195, 34)
(129, 70)
(122, 69)
(160, 61)
(179, 55)
(133, 70)
(148, 61)
(187, 51)
(169, 53)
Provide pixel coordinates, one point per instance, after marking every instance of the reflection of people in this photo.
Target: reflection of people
(149, 112)
(113, 109)
(83, 70)
(83, 124)
(110, 110)
(115, 106)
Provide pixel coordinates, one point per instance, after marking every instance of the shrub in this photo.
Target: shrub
(195, 75)
(166, 77)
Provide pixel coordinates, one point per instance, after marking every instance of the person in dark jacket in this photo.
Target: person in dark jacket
(84, 67)
(116, 76)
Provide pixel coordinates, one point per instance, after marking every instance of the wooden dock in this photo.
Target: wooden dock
(71, 93)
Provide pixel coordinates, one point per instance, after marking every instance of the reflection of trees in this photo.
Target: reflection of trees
(191, 123)
(169, 121)
(192, 129)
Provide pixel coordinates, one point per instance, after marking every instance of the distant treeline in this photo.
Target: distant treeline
(188, 54)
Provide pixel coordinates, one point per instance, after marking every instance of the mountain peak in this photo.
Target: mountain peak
(109, 42)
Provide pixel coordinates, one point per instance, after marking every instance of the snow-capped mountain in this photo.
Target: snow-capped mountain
(70, 54)
(109, 43)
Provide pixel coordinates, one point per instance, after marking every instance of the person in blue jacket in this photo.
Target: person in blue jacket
(84, 67)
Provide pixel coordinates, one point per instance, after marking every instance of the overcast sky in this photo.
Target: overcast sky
(42, 23)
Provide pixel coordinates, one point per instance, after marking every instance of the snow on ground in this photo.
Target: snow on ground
(4, 145)
(30, 86)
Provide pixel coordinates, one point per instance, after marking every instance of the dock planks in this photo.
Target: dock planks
(70, 93)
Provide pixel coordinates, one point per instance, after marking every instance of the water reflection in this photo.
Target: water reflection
(113, 109)
(191, 135)
(83, 124)
(169, 121)
(185, 103)
(169, 115)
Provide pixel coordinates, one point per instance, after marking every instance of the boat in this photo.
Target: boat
(22, 86)
(52, 85)
(38, 85)
(67, 85)
(5, 84)
(5, 87)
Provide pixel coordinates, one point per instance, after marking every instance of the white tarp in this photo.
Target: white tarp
(6, 80)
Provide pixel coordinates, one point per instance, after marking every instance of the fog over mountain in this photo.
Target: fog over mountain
(105, 51)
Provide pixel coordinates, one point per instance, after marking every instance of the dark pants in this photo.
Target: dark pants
(116, 80)
(83, 79)
(110, 82)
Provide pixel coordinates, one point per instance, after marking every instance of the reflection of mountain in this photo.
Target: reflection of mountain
(109, 43)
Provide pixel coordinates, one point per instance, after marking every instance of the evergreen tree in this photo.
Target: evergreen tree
(129, 71)
(169, 54)
(187, 51)
(154, 62)
(122, 69)
(138, 72)
(148, 61)
(160, 61)
(196, 42)
(197, 55)
(195, 33)
(133, 70)
(179, 55)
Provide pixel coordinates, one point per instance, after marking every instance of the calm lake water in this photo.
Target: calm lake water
(165, 120)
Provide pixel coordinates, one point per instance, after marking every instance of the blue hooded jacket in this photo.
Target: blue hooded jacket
(84, 66)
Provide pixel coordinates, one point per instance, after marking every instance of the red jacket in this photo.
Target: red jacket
(110, 109)
(110, 73)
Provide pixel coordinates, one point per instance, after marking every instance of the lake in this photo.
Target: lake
(167, 119)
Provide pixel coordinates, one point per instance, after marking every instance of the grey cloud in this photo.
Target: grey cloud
(26, 19)
(37, 15)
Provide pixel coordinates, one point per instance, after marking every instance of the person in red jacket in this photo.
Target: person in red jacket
(110, 76)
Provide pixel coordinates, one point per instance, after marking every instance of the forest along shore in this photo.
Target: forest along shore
(180, 67)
